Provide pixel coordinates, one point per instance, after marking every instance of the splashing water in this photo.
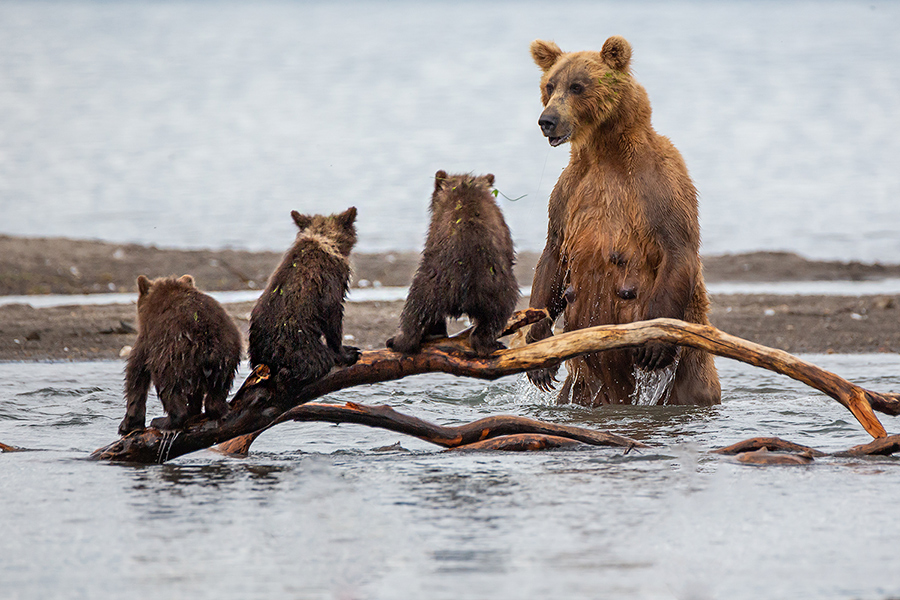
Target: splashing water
(654, 387)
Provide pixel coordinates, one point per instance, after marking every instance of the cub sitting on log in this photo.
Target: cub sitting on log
(466, 267)
(187, 346)
(296, 326)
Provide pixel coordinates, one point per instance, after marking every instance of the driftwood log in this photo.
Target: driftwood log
(503, 432)
(255, 407)
(772, 450)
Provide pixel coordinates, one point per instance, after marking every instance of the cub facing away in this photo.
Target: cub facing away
(466, 267)
(296, 326)
(187, 346)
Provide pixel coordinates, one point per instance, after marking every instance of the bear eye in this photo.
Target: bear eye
(576, 88)
(550, 89)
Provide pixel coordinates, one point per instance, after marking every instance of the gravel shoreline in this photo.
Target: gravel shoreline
(798, 324)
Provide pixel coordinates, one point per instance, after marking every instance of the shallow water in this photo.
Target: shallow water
(192, 123)
(320, 511)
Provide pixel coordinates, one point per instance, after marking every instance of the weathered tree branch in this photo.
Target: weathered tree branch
(255, 407)
(460, 436)
(884, 446)
(769, 443)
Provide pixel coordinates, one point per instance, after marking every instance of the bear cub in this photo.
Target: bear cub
(466, 267)
(296, 326)
(187, 346)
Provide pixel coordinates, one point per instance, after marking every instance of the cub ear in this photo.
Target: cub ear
(439, 178)
(143, 285)
(545, 54)
(302, 221)
(346, 218)
(617, 53)
(187, 279)
(490, 179)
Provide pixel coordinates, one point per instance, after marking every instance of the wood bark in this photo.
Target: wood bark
(460, 436)
(256, 407)
(769, 443)
(884, 446)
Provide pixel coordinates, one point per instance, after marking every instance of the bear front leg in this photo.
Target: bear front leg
(175, 403)
(137, 384)
(543, 379)
(414, 326)
(483, 339)
(668, 299)
(215, 403)
(548, 291)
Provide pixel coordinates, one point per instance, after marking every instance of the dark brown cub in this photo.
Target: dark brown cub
(466, 267)
(296, 326)
(187, 346)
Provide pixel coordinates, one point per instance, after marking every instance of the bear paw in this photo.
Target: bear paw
(349, 355)
(130, 424)
(655, 356)
(404, 344)
(543, 379)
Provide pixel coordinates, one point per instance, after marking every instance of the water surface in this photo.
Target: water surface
(323, 511)
(192, 123)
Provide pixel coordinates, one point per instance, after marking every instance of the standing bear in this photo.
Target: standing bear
(466, 267)
(623, 234)
(296, 326)
(187, 346)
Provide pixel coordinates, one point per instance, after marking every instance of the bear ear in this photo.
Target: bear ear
(302, 221)
(186, 279)
(346, 218)
(545, 54)
(143, 285)
(490, 179)
(617, 53)
(439, 178)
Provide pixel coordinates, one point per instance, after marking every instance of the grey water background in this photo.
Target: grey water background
(323, 511)
(202, 124)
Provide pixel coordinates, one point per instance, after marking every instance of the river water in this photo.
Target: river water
(202, 124)
(323, 511)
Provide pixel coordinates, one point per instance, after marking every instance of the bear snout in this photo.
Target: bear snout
(551, 124)
(548, 123)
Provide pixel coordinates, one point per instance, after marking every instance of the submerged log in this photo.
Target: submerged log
(753, 450)
(763, 457)
(255, 406)
(885, 446)
(460, 436)
(767, 443)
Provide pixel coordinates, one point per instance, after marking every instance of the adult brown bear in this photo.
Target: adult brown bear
(623, 236)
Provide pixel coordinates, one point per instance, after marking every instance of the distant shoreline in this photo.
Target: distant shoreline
(793, 322)
(67, 266)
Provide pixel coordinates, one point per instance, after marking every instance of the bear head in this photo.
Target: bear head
(336, 231)
(153, 295)
(460, 185)
(581, 90)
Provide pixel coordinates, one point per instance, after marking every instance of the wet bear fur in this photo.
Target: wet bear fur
(466, 267)
(187, 346)
(623, 229)
(296, 326)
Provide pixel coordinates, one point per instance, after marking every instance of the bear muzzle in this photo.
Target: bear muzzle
(549, 124)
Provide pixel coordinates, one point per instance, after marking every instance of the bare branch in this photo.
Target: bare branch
(256, 407)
